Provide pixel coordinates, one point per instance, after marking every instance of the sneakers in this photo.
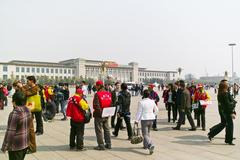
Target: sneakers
(155, 129)
(151, 149)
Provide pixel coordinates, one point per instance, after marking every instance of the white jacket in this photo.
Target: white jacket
(147, 110)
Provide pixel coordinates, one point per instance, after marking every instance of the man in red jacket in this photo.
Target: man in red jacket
(102, 99)
(76, 105)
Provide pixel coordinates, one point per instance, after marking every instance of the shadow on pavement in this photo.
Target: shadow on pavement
(193, 140)
(137, 150)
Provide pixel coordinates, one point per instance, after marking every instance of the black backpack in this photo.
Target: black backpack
(87, 115)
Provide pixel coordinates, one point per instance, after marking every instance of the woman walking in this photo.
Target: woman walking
(146, 112)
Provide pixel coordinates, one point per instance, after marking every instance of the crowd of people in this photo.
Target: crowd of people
(32, 100)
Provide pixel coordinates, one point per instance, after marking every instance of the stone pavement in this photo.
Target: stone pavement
(170, 145)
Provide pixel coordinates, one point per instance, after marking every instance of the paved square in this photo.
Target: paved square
(170, 145)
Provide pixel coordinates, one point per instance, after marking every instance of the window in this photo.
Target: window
(28, 70)
(42, 70)
(5, 77)
(73, 71)
(69, 71)
(65, 71)
(47, 70)
(17, 77)
(33, 70)
(56, 70)
(17, 69)
(38, 70)
(61, 71)
(22, 69)
(5, 68)
(52, 70)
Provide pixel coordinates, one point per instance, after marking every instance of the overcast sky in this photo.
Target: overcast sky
(158, 34)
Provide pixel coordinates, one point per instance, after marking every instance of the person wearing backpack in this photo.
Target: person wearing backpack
(75, 109)
(102, 99)
(124, 101)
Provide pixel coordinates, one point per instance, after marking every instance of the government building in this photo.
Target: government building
(76, 68)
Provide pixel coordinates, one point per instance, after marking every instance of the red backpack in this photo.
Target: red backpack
(105, 99)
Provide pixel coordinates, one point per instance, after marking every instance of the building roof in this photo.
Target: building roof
(37, 63)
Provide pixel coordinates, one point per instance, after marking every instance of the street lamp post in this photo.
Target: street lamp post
(232, 45)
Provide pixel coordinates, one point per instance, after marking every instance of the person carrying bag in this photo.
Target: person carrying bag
(136, 138)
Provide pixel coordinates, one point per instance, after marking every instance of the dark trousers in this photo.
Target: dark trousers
(154, 125)
(57, 105)
(219, 127)
(39, 122)
(201, 117)
(102, 123)
(17, 155)
(127, 120)
(175, 112)
(5, 101)
(77, 134)
(113, 121)
(182, 118)
(226, 121)
(171, 108)
(229, 128)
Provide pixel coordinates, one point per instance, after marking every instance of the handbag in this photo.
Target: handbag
(34, 103)
(136, 138)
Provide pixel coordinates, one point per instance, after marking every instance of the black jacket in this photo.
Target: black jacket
(226, 103)
(124, 102)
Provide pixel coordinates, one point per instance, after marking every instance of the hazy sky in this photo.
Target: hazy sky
(158, 34)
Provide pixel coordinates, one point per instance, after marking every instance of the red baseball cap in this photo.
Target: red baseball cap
(151, 85)
(99, 83)
(199, 85)
(79, 91)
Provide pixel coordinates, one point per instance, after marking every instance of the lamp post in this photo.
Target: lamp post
(232, 45)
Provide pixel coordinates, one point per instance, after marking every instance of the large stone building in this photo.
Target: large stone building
(81, 68)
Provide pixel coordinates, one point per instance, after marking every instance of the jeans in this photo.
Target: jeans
(146, 126)
(63, 107)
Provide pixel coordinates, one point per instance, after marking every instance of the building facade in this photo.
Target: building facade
(79, 67)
